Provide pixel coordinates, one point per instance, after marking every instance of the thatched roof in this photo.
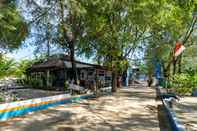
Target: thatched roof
(54, 62)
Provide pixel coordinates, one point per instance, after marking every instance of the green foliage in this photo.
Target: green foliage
(189, 59)
(32, 82)
(168, 25)
(111, 30)
(143, 68)
(21, 67)
(66, 85)
(184, 83)
(7, 67)
(13, 30)
(37, 83)
(2, 99)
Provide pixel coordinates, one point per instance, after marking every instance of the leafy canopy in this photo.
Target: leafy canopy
(13, 29)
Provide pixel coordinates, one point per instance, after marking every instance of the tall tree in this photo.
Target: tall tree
(65, 17)
(71, 26)
(168, 26)
(13, 29)
(114, 29)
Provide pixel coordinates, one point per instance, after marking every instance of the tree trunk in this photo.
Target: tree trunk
(70, 41)
(48, 48)
(114, 81)
(180, 64)
(150, 80)
(166, 73)
(72, 58)
(96, 84)
(48, 81)
(174, 66)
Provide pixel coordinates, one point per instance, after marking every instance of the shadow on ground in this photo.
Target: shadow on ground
(124, 111)
(38, 124)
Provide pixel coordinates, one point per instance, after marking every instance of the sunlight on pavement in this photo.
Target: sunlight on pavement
(132, 109)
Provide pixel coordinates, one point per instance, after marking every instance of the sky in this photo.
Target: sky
(28, 53)
(22, 53)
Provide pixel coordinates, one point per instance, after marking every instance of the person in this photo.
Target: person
(150, 81)
(119, 81)
(72, 81)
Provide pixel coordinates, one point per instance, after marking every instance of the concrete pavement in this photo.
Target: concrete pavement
(130, 109)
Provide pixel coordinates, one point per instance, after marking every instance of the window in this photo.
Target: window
(90, 73)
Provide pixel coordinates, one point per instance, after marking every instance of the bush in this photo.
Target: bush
(183, 90)
(2, 99)
(35, 83)
(66, 85)
(184, 83)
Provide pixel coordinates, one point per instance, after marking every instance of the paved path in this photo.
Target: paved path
(186, 111)
(132, 109)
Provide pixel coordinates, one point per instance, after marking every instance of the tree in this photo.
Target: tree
(167, 27)
(71, 26)
(13, 30)
(6, 66)
(21, 67)
(65, 18)
(114, 29)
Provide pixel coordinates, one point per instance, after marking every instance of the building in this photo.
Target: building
(57, 69)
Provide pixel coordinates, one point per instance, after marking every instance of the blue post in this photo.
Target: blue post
(129, 74)
(158, 73)
(158, 70)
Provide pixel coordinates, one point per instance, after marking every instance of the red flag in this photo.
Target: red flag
(179, 48)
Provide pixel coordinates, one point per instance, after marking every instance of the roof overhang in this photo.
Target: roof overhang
(68, 64)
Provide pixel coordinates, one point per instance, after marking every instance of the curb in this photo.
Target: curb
(19, 108)
(175, 124)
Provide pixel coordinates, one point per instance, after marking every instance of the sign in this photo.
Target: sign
(179, 48)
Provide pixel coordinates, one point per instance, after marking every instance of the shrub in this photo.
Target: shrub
(66, 85)
(184, 83)
(35, 83)
(2, 99)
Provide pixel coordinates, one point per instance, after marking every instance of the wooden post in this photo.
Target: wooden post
(48, 75)
(96, 84)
